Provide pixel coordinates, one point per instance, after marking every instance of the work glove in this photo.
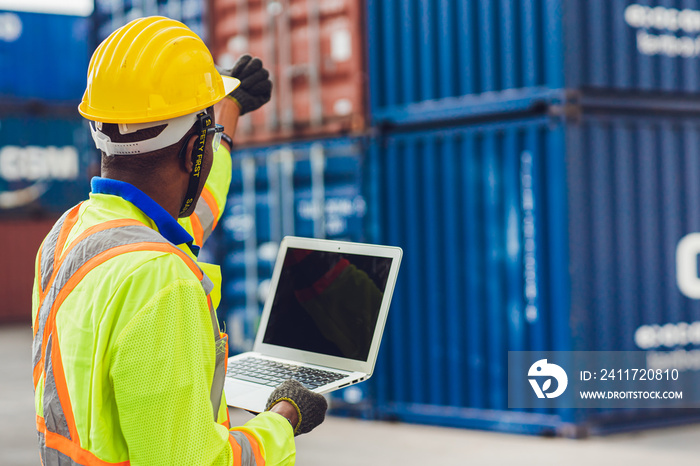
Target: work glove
(255, 88)
(311, 407)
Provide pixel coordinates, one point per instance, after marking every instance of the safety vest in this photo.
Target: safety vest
(84, 400)
(59, 274)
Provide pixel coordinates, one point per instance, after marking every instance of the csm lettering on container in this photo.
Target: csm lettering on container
(45, 165)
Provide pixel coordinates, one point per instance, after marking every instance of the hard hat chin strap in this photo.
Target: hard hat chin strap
(174, 130)
(204, 122)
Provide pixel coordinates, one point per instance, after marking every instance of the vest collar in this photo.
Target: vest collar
(166, 224)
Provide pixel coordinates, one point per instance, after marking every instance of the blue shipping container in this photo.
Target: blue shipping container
(110, 15)
(312, 189)
(532, 235)
(43, 57)
(431, 59)
(45, 164)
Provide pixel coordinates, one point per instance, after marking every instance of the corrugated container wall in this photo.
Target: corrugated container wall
(58, 46)
(45, 164)
(315, 52)
(312, 189)
(634, 219)
(530, 235)
(113, 14)
(437, 59)
(22, 239)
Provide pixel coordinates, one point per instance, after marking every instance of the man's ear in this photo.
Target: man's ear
(186, 158)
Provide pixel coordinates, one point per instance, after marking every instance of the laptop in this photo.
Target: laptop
(322, 322)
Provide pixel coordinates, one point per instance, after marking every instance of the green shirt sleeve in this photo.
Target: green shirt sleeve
(275, 435)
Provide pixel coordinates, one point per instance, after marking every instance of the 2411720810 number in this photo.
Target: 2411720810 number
(639, 374)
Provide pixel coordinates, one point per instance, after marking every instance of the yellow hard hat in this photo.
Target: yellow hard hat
(151, 69)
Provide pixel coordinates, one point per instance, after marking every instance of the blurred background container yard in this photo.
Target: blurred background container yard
(537, 160)
(315, 51)
(312, 189)
(46, 155)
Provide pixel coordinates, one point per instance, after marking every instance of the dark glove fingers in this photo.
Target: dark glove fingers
(256, 88)
(315, 413)
(261, 88)
(248, 102)
(240, 65)
(312, 406)
(245, 101)
(251, 68)
(260, 75)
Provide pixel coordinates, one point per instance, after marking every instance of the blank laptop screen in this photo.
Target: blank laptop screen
(327, 302)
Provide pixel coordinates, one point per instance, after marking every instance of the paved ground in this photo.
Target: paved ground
(341, 442)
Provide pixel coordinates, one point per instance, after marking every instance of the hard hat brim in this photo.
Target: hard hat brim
(230, 83)
(152, 69)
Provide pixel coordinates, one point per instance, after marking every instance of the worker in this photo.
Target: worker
(128, 358)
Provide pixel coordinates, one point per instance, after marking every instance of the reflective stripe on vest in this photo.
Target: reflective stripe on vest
(48, 250)
(60, 273)
(247, 454)
(204, 218)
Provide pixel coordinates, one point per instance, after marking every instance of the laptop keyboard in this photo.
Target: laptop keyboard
(273, 373)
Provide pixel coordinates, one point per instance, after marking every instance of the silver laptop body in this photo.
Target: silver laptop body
(322, 322)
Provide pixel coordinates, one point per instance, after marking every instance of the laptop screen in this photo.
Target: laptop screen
(327, 302)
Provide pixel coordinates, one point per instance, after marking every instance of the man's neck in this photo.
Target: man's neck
(157, 188)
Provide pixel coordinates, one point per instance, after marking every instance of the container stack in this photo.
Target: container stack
(45, 158)
(538, 163)
(536, 160)
(299, 165)
(113, 14)
(315, 53)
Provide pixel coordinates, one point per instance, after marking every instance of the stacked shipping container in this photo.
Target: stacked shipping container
(438, 60)
(113, 14)
(46, 154)
(528, 214)
(542, 211)
(59, 47)
(314, 51)
(547, 235)
(45, 158)
(312, 189)
(293, 174)
(45, 163)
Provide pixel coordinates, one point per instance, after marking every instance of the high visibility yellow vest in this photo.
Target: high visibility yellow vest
(128, 360)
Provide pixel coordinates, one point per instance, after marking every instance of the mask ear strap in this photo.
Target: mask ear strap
(204, 121)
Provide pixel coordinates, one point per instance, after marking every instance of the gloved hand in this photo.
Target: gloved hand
(311, 407)
(255, 88)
